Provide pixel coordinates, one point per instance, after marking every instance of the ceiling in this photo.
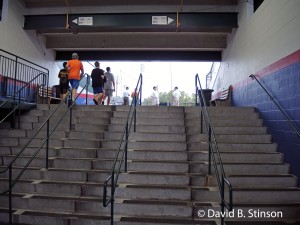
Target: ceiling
(117, 27)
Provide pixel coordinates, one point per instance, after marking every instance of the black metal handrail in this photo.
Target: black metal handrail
(214, 156)
(18, 69)
(17, 104)
(12, 182)
(121, 155)
(293, 126)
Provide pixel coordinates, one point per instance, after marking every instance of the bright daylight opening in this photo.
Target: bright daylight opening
(164, 75)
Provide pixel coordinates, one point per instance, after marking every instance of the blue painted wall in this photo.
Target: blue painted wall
(284, 85)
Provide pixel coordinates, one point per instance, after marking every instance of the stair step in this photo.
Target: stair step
(149, 128)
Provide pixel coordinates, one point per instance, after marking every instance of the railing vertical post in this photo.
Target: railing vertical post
(196, 99)
(15, 78)
(70, 105)
(86, 90)
(126, 146)
(112, 198)
(19, 115)
(134, 120)
(47, 144)
(10, 195)
(201, 121)
(222, 201)
(209, 150)
(141, 85)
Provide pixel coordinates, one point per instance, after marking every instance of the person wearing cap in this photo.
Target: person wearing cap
(75, 72)
(155, 96)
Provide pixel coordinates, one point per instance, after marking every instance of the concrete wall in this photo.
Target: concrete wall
(25, 44)
(267, 44)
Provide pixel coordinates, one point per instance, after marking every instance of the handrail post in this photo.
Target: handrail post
(86, 90)
(134, 119)
(126, 146)
(19, 115)
(201, 121)
(196, 86)
(140, 92)
(112, 198)
(209, 149)
(222, 201)
(70, 102)
(10, 195)
(47, 144)
(15, 80)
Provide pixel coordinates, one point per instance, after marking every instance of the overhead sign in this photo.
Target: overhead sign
(161, 20)
(84, 21)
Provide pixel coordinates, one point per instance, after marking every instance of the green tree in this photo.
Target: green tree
(166, 97)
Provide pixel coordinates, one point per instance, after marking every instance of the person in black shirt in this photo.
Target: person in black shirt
(63, 81)
(98, 80)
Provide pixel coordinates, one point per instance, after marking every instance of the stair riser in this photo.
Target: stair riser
(243, 138)
(80, 176)
(143, 121)
(153, 115)
(241, 169)
(81, 143)
(12, 133)
(153, 193)
(157, 155)
(167, 146)
(89, 127)
(149, 128)
(236, 157)
(152, 109)
(139, 209)
(154, 179)
(147, 137)
(263, 181)
(159, 167)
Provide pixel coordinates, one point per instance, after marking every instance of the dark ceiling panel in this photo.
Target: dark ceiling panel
(208, 56)
(132, 22)
(76, 3)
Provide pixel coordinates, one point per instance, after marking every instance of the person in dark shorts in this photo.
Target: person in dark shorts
(98, 80)
(63, 81)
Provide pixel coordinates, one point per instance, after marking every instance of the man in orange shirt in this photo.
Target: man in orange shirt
(75, 72)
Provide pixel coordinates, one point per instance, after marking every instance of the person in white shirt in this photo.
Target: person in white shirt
(155, 96)
(176, 96)
(126, 96)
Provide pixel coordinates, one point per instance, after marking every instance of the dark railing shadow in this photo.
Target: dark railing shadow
(214, 156)
(12, 181)
(290, 122)
(14, 102)
(121, 155)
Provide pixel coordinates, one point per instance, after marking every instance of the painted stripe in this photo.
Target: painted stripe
(280, 64)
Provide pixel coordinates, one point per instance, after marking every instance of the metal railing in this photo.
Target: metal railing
(12, 181)
(121, 155)
(214, 156)
(292, 125)
(14, 105)
(17, 70)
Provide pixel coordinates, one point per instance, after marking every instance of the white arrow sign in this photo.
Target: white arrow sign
(84, 21)
(161, 20)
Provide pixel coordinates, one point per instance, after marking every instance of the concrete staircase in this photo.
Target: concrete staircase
(264, 190)
(166, 182)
